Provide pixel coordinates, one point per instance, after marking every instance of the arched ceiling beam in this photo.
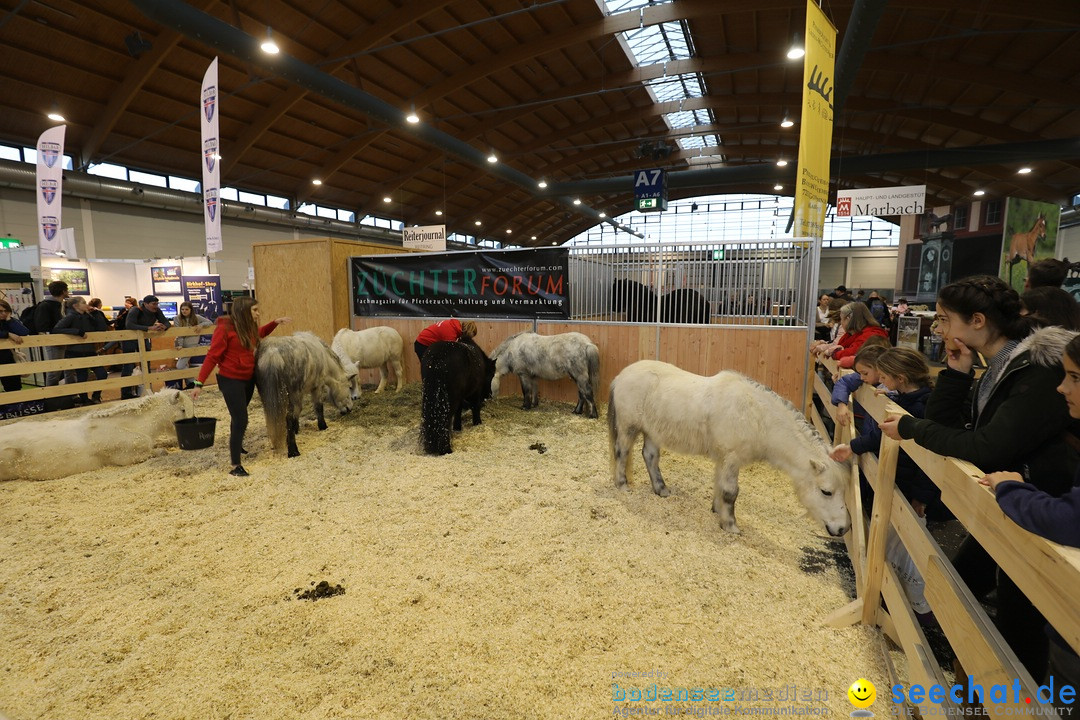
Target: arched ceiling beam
(136, 76)
(377, 32)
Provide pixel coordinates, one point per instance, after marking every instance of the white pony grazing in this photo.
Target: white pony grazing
(121, 433)
(375, 347)
(730, 419)
(531, 357)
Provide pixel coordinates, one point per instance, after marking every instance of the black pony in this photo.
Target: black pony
(454, 374)
(639, 303)
(684, 306)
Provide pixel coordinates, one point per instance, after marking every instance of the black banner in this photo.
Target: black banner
(483, 283)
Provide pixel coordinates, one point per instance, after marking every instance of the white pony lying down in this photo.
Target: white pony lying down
(122, 433)
(729, 419)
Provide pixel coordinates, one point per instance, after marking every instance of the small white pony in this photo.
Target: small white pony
(550, 357)
(375, 347)
(123, 433)
(730, 419)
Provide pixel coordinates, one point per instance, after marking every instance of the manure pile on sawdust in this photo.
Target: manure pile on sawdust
(509, 579)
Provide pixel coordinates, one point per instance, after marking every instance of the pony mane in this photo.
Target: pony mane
(808, 431)
(505, 343)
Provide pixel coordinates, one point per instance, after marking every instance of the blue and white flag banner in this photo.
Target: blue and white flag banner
(50, 177)
(211, 157)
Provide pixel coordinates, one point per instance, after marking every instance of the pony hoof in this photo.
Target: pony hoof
(732, 528)
(294, 453)
(663, 492)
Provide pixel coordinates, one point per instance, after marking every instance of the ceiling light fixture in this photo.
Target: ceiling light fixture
(412, 117)
(796, 50)
(577, 201)
(1024, 171)
(493, 158)
(603, 215)
(542, 184)
(508, 231)
(979, 193)
(786, 122)
(56, 117)
(386, 199)
(781, 163)
(438, 212)
(316, 181)
(268, 45)
(533, 237)
(778, 187)
(477, 222)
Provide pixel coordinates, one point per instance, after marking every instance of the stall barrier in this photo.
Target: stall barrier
(146, 361)
(1048, 573)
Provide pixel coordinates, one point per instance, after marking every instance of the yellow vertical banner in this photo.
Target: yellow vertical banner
(815, 132)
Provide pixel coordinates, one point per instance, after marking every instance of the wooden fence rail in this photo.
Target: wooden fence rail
(1048, 573)
(143, 359)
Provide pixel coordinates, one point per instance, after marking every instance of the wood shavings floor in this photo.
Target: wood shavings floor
(495, 582)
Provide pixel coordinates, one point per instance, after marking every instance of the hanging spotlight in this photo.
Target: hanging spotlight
(477, 222)
(438, 212)
(577, 201)
(533, 237)
(778, 187)
(542, 184)
(56, 117)
(412, 117)
(493, 158)
(603, 215)
(508, 231)
(1024, 171)
(316, 181)
(796, 50)
(268, 45)
(781, 163)
(386, 199)
(979, 193)
(786, 122)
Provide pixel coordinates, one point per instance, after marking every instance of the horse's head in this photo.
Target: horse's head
(339, 394)
(822, 492)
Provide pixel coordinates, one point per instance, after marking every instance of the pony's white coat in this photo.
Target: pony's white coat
(379, 347)
(531, 356)
(122, 433)
(730, 419)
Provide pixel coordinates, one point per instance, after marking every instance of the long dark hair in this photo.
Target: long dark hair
(1073, 350)
(189, 321)
(244, 322)
(1052, 306)
(992, 297)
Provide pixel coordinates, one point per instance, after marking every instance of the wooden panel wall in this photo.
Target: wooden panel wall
(773, 356)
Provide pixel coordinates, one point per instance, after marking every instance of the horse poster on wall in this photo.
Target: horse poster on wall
(531, 283)
(1031, 234)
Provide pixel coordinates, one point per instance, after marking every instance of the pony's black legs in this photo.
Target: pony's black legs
(292, 426)
(725, 491)
(476, 403)
(650, 452)
(528, 391)
(319, 416)
(456, 414)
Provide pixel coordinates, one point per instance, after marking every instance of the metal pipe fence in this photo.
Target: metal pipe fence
(764, 282)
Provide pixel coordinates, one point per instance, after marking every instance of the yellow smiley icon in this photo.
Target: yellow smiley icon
(862, 693)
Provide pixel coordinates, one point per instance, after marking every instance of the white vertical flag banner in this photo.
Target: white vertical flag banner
(211, 156)
(50, 176)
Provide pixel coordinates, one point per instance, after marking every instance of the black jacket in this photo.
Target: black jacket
(77, 323)
(47, 313)
(139, 318)
(1021, 428)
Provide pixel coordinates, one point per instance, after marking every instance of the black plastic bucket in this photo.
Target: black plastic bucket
(195, 433)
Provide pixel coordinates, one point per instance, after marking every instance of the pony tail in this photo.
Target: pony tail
(435, 416)
(274, 395)
(592, 354)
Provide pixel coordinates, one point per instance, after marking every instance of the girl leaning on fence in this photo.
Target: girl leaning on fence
(1010, 419)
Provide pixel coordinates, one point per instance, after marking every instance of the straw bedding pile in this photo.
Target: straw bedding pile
(496, 582)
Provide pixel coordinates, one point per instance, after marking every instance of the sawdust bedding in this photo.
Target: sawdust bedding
(495, 582)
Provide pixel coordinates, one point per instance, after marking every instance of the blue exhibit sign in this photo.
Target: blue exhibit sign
(650, 190)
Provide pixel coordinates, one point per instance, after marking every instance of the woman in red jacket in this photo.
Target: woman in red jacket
(232, 351)
(859, 326)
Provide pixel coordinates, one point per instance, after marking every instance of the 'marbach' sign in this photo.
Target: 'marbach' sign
(902, 200)
(494, 283)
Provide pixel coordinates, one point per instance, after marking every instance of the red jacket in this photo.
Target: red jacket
(442, 331)
(232, 359)
(850, 344)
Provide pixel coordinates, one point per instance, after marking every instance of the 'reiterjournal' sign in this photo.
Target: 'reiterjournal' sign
(495, 283)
